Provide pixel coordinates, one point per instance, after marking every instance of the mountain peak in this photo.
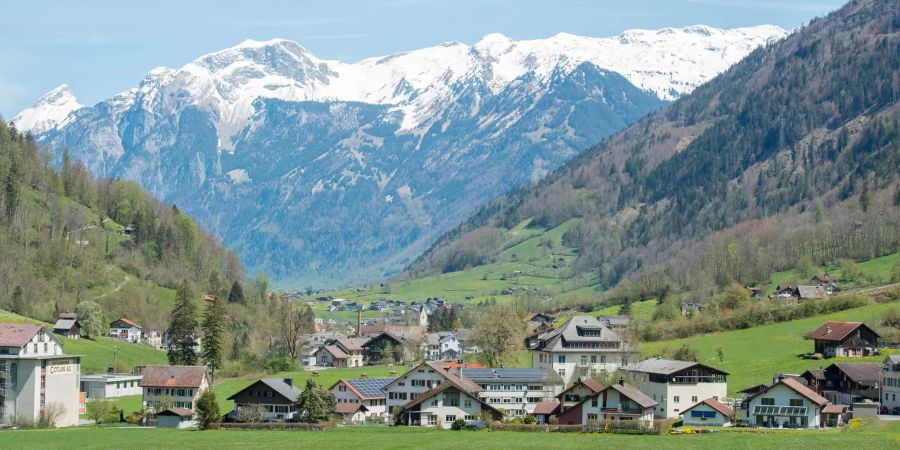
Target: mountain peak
(50, 110)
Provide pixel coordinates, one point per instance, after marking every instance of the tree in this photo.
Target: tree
(207, 407)
(806, 267)
(90, 316)
(17, 304)
(734, 296)
(387, 353)
(98, 410)
(182, 326)
(236, 295)
(214, 334)
(260, 287)
(720, 353)
(685, 353)
(499, 334)
(315, 404)
(625, 309)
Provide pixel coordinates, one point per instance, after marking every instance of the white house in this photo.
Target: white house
(36, 376)
(418, 380)
(180, 384)
(443, 345)
(786, 404)
(515, 391)
(676, 385)
(110, 385)
(125, 330)
(617, 401)
(364, 392)
(341, 352)
(709, 412)
(578, 348)
(890, 382)
(433, 396)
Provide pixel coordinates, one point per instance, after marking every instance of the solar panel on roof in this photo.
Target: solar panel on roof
(370, 387)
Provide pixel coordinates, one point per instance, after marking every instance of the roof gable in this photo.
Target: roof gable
(797, 387)
(836, 331)
(288, 392)
(174, 376)
(714, 404)
(123, 323)
(17, 334)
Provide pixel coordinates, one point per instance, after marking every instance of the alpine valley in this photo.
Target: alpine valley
(321, 172)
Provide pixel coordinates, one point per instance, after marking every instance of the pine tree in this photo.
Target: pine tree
(18, 301)
(214, 334)
(315, 404)
(182, 348)
(237, 293)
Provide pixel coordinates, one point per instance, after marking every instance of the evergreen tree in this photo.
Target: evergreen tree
(315, 404)
(18, 305)
(237, 293)
(183, 324)
(214, 334)
(208, 414)
(625, 309)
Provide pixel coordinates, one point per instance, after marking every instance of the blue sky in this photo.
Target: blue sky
(103, 47)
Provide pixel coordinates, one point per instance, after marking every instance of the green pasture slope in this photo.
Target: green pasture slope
(879, 268)
(753, 355)
(872, 435)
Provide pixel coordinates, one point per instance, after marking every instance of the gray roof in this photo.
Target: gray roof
(288, 391)
(512, 375)
(617, 320)
(892, 359)
(65, 324)
(370, 387)
(811, 291)
(663, 366)
(573, 331)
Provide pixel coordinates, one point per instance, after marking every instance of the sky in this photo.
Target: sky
(100, 48)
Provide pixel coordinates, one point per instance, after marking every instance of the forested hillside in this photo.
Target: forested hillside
(790, 155)
(63, 242)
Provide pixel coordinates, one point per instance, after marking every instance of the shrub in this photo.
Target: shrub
(458, 424)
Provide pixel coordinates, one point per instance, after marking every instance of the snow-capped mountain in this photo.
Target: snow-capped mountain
(324, 170)
(49, 111)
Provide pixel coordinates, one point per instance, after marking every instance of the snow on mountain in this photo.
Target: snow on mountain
(48, 112)
(669, 62)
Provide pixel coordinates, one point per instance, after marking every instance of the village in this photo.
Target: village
(585, 373)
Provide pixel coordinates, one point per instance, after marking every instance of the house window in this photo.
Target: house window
(591, 416)
(594, 402)
(584, 360)
(468, 402)
(602, 359)
(562, 373)
(593, 359)
(342, 388)
(432, 419)
(561, 359)
(676, 399)
(767, 401)
(796, 402)
(450, 418)
(694, 399)
(469, 418)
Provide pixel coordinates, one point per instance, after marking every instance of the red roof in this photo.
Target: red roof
(17, 334)
(349, 408)
(174, 376)
(466, 365)
(714, 404)
(797, 387)
(834, 331)
(834, 409)
(126, 322)
(545, 407)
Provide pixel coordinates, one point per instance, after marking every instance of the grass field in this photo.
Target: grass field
(879, 435)
(753, 355)
(877, 267)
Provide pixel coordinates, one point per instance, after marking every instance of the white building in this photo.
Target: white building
(516, 392)
(110, 385)
(578, 348)
(365, 392)
(676, 385)
(36, 377)
(125, 330)
(418, 380)
(443, 345)
(786, 404)
(709, 412)
(890, 382)
(182, 385)
(617, 401)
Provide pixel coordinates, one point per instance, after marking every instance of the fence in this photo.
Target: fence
(287, 426)
(602, 426)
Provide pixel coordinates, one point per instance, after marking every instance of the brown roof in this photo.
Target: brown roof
(335, 351)
(441, 388)
(351, 344)
(834, 331)
(464, 384)
(816, 374)
(714, 404)
(17, 334)
(834, 409)
(545, 407)
(174, 376)
(797, 387)
(126, 322)
(349, 408)
(824, 279)
(592, 385)
(180, 412)
(634, 394)
(863, 373)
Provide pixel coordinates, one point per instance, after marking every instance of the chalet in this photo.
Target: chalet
(374, 348)
(181, 385)
(266, 399)
(756, 292)
(125, 330)
(710, 412)
(844, 339)
(690, 307)
(815, 379)
(677, 384)
(541, 320)
(786, 404)
(577, 392)
(890, 382)
(827, 282)
(515, 391)
(179, 418)
(617, 401)
(786, 291)
(34, 372)
(341, 352)
(361, 398)
(578, 348)
(847, 383)
(67, 325)
(443, 398)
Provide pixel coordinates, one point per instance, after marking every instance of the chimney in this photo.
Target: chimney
(828, 329)
(289, 381)
(359, 322)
